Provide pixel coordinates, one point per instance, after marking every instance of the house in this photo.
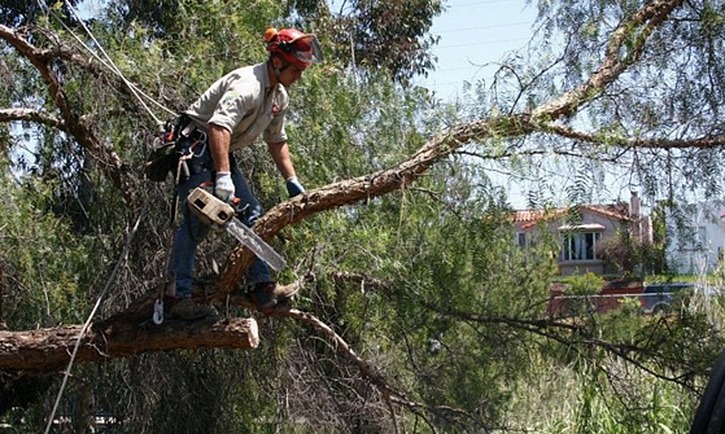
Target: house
(695, 237)
(583, 230)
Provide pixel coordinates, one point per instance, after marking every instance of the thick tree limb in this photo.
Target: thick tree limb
(50, 349)
(625, 47)
(75, 124)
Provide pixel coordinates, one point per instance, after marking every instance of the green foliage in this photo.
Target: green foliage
(586, 284)
(373, 35)
(629, 258)
(25, 12)
(673, 91)
(47, 273)
(634, 382)
(226, 31)
(426, 284)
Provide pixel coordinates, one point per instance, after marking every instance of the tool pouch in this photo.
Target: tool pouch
(164, 156)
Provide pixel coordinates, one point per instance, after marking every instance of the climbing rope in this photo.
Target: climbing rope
(87, 324)
(139, 95)
(109, 63)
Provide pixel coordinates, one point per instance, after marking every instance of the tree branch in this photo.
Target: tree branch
(626, 45)
(368, 371)
(50, 349)
(30, 115)
(624, 142)
(75, 125)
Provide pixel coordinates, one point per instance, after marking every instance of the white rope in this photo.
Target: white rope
(110, 62)
(87, 324)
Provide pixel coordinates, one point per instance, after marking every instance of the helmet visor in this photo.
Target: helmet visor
(306, 49)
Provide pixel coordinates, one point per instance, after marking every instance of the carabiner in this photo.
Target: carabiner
(158, 316)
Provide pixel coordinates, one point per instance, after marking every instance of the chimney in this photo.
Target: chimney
(634, 205)
(634, 214)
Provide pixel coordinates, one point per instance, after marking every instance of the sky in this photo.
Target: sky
(474, 35)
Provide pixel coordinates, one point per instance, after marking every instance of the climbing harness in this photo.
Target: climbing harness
(180, 142)
(166, 286)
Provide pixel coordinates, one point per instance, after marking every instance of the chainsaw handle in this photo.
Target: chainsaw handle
(240, 207)
(235, 202)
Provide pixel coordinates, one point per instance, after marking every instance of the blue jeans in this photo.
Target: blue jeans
(192, 230)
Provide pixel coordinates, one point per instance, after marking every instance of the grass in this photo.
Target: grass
(608, 399)
(604, 394)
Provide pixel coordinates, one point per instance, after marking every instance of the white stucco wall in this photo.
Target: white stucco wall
(695, 237)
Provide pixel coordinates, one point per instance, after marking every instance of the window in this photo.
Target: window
(521, 239)
(580, 246)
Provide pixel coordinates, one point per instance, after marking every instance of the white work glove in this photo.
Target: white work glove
(223, 186)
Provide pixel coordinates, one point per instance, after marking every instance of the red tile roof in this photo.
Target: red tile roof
(617, 211)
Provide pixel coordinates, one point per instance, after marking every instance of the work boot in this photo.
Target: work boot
(285, 292)
(185, 309)
(267, 295)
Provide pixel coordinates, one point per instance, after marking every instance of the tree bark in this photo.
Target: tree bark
(50, 349)
(74, 123)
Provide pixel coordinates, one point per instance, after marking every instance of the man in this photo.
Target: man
(239, 107)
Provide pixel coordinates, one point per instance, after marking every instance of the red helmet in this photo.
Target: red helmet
(300, 49)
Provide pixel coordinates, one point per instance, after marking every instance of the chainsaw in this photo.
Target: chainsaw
(220, 215)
